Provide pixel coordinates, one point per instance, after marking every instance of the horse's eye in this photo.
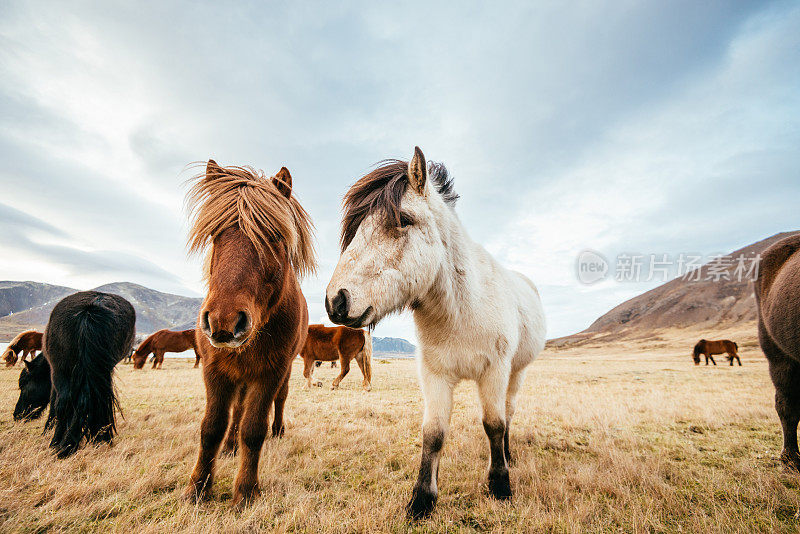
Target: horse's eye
(405, 220)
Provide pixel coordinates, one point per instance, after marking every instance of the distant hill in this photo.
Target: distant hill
(27, 305)
(394, 345)
(682, 303)
(17, 297)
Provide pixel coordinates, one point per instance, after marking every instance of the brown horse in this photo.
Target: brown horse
(777, 290)
(709, 348)
(27, 342)
(254, 319)
(338, 343)
(165, 341)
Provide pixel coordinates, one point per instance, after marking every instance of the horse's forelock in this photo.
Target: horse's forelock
(244, 198)
(382, 191)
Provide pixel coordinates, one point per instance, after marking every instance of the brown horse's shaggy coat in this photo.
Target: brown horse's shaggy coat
(165, 341)
(338, 343)
(778, 300)
(710, 348)
(254, 319)
(27, 342)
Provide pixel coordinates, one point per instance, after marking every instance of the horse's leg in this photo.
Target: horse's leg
(738, 360)
(345, 368)
(252, 431)
(197, 359)
(232, 438)
(438, 394)
(308, 371)
(360, 361)
(493, 388)
(711, 357)
(155, 359)
(219, 391)
(280, 402)
(161, 358)
(514, 383)
(785, 374)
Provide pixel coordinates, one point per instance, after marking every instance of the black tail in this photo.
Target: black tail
(93, 336)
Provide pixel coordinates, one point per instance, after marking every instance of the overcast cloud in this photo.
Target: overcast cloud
(624, 126)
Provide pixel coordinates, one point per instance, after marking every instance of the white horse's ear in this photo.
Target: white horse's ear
(283, 181)
(418, 171)
(212, 169)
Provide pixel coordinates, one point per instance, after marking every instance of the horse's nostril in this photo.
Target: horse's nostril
(205, 325)
(341, 303)
(242, 324)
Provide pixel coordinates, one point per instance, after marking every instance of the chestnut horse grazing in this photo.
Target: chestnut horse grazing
(777, 291)
(87, 335)
(165, 341)
(27, 342)
(403, 246)
(254, 319)
(710, 348)
(338, 343)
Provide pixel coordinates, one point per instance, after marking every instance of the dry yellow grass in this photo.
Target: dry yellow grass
(606, 439)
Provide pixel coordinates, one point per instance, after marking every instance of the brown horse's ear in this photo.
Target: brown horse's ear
(27, 364)
(212, 169)
(418, 171)
(283, 181)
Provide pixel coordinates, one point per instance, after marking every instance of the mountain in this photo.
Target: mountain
(704, 303)
(27, 305)
(16, 297)
(393, 345)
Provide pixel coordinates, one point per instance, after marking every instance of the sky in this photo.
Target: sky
(617, 127)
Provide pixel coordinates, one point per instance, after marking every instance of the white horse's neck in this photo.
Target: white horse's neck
(451, 302)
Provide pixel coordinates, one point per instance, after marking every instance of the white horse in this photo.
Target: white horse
(403, 246)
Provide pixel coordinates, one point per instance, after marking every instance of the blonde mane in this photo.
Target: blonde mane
(244, 198)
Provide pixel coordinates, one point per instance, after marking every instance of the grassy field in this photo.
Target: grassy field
(607, 439)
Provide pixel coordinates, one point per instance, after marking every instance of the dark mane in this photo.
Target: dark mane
(383, 190)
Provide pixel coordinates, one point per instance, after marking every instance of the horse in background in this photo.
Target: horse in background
(165, 341)
(403, 247)
(710, 348)
(254, 318)
(87, 335)
(777, 290)
(27, 342)
(34, 389)
(325, 344)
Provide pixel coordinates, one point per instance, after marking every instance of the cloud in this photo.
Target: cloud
(566, 126)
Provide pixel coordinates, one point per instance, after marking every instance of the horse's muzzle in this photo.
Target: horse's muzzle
(338, 309)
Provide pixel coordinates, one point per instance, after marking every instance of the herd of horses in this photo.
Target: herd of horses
(402, 247)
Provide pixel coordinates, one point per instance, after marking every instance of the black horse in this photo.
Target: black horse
(34, 386)
(87, 335)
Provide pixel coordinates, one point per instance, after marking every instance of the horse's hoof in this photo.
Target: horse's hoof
(421, 505)
(500, 485)
(245, 497)
(194, 496)
(791, 459)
